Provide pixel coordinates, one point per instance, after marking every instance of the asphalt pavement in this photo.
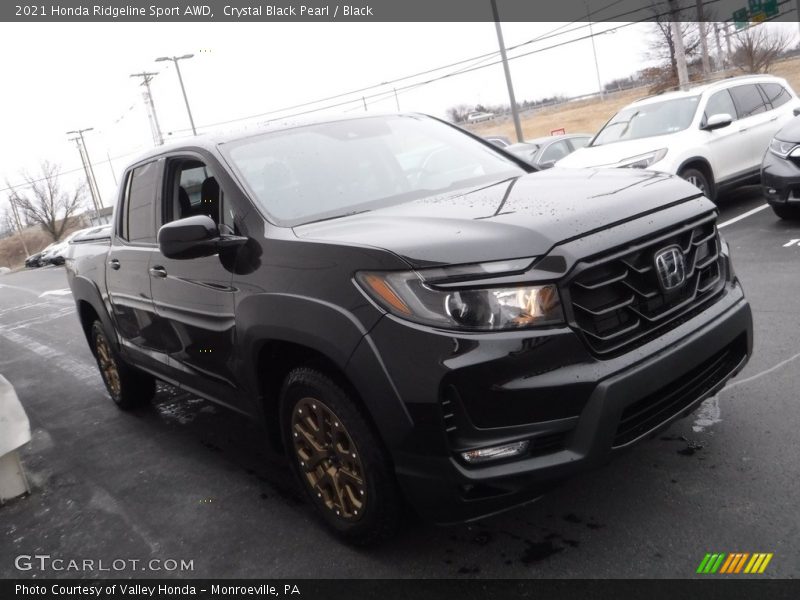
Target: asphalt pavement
(186, 480)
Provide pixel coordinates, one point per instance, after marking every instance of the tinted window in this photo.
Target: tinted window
(748, 100)
(139, 225)
(776, 94)
(194, 190)
(555, 151)
(720, 103)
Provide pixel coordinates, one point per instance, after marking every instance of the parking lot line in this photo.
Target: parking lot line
(742, 216)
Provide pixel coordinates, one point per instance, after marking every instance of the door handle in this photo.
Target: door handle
(775, 118)
(114, 264)
(743, 129)
(158, 271)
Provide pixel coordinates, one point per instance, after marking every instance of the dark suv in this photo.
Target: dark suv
(416, 315)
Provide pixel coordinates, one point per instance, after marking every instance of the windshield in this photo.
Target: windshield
(648, 120)
(334, 169)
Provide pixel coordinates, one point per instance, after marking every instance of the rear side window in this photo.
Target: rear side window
(138, 223)
(579, 142)
(720, 103)
(749, 100)
(776, 94)
(555, 151)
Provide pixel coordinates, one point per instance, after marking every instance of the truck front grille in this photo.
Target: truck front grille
(617, 302)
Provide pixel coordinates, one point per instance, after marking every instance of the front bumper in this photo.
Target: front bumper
(463, 392)
(780, 180)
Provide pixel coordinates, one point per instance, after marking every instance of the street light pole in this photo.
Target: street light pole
(512, 99)
(175, 60)
(594, 53)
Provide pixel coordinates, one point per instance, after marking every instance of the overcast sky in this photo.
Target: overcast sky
(60, 77)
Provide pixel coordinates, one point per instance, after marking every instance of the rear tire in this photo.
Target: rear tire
(699, 180)
(790, 213)
(127, 386)
(338, 458)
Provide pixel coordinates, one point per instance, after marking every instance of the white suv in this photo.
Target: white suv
(713, 135)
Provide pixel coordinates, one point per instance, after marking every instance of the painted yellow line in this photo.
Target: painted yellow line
(765, 563)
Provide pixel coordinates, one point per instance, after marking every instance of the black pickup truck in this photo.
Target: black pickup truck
(417, 316)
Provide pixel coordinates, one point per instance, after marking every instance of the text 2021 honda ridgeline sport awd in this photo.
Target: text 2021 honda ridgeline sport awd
(415, 314)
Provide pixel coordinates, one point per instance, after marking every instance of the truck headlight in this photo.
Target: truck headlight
(442, 298)
(642, 161)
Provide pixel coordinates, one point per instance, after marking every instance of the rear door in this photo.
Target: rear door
(194, 298)
(756, 123)
(127, 269)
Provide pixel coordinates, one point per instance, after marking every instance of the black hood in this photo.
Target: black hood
(520, 217)
(790, 132)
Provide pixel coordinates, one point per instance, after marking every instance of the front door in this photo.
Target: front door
(194, 298)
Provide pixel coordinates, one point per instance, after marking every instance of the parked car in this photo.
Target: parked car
(500, 141)
(34, 260)
(477, 117)
(56, 253)
(543, 152)
(92, 234)
(460, 332)
(780, 172)
(712, 135)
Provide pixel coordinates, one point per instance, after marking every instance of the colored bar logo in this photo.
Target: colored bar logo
(735, 562)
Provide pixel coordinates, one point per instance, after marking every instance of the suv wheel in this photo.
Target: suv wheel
(787, 212)
(338, 459)
(698, 180)
(127, 386)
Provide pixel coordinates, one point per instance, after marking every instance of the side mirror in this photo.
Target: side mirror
(548, 164)
(718, 121)
(796, 111)
(194, 237)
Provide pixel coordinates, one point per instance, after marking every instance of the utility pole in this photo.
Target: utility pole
(158, 138)
(728, 42)
(364, 100)
(175, 60)
(19, 226)
(87, 167)
(677, 40)
(701, 23)
(721, 62)
(398, 101)
(512, 99)
(594, 52)
(111, 166)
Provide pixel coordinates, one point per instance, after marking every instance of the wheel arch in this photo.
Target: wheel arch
(704, 166)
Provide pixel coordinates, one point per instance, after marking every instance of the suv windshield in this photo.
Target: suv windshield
(648, 120)
(329, 170)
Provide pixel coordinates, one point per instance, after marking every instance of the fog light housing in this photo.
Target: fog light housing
(495, 452)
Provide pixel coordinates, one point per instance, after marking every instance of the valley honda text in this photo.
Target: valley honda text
(126, 589)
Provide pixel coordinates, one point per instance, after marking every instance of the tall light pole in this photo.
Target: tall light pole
(175, 60)
(93, 189)
(512, 99)
(146, 79)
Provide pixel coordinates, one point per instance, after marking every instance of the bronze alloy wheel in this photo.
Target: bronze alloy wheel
(329, 460)
(108, 366)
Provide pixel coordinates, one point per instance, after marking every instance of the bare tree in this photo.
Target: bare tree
(662, 47)
(758, 47)
(458, 113)
(43, 201)
(7, 224)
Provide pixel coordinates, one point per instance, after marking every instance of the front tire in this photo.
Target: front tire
(338, 458)
(790, 213)
(128, 387)
(699, 180)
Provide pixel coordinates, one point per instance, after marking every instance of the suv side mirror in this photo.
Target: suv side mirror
(718, 121)
(796, 111)
(194, 237)
(549, 164)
